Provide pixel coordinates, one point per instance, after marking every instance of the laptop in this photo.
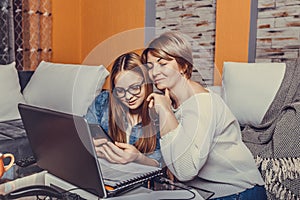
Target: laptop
(62, 145)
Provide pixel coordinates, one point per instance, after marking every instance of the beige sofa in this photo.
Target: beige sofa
(63, 87)
(265, 98)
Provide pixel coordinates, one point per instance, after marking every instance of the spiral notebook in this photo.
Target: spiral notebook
(62, 144)
(122, 175)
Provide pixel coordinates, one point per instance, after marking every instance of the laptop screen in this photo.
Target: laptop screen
(62, 145)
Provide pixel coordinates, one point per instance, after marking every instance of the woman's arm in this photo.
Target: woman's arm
(162, 105)
(186, 148)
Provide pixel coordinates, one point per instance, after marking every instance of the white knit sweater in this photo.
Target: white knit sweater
(206, 148)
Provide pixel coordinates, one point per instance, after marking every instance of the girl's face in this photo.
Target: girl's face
(164, 73)
(130, 89)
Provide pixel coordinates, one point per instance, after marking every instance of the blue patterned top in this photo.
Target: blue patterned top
(98, 114)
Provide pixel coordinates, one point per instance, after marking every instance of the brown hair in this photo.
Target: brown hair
(147, 142)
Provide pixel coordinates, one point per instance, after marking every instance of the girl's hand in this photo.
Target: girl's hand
(98, 143)
(120, 153)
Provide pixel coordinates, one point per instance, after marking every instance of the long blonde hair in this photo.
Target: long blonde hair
(118, 111)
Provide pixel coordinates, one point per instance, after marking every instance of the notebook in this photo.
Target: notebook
(62, 145)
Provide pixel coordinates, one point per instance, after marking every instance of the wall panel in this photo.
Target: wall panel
(79, 26)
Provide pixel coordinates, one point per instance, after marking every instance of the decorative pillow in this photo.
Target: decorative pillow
(10, 92)
(67, 88)
(249, 88)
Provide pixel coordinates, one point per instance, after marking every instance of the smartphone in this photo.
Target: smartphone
(98, 132)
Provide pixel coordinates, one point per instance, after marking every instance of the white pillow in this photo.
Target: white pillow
(10, 92)
(249, 88)
(216, 89)
(67, 88)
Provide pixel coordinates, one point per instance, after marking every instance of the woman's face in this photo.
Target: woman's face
(130, 89)
(164, 73)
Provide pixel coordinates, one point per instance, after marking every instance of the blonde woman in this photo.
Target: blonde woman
(200, 138)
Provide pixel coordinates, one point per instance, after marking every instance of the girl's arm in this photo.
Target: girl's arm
(97, 112)
(123, 153)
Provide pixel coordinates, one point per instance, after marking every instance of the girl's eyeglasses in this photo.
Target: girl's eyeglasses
(133, 89)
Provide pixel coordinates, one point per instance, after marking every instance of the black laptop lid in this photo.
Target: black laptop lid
(62, 145)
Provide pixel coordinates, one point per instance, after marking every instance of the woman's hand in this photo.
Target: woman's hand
(160, 102)
(162, 105)
(120, 153)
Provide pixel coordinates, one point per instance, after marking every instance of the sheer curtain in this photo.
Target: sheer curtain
(25, 32)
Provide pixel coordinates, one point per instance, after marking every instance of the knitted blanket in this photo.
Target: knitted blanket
(275, 143)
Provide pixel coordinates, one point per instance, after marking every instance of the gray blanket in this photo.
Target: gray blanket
(275, 143)
(13, 139)
(11, 130)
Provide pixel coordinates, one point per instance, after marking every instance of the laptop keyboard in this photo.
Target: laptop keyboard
(25, 162)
